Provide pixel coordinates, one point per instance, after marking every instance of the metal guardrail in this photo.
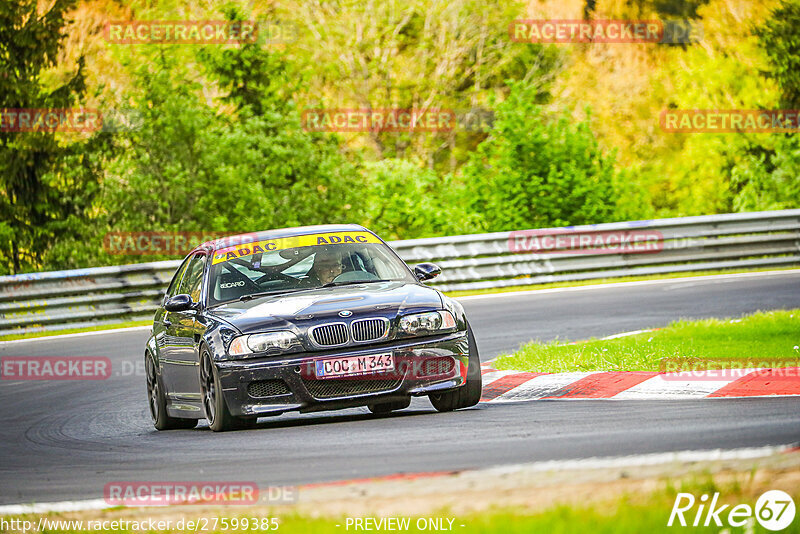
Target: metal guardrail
(73, 299)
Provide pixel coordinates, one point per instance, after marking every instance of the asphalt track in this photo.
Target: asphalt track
(64, 440)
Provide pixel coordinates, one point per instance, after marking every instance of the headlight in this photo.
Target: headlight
(280, 341)
(427, 322)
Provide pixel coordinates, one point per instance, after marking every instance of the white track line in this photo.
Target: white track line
(47, 507)
(78, 334)
(626, 334)
(701, 278)
(642, 460)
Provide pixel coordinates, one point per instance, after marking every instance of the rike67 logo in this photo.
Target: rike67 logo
(774, 510)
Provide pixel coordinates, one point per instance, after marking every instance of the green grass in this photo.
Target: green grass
(127, 324)
(622, 518)
(764, 336)
(668, 276)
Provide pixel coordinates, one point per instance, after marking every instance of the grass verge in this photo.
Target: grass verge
(620, 517)
(624, 509)
(764, 336)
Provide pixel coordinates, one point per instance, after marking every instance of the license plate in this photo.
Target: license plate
(354, 365)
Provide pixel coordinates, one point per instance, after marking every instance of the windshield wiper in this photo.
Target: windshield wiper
(245, 298)
(352, 282)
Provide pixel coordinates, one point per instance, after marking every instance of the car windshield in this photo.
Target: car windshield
(292, 264)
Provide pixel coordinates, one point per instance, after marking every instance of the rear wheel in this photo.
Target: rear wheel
(216, 410)
(386, 407)
(470, 393)
(158, 401)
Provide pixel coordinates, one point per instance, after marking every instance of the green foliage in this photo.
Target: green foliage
(46, 180)
(219, 146)
(199, 166)
(406, 200)
(415, 54)
(780, 39)
(764, 173)
(536, 170)
(767, 178)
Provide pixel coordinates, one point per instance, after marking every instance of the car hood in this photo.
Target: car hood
(320, 305)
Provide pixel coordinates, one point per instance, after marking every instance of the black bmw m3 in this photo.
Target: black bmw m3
(306, 319)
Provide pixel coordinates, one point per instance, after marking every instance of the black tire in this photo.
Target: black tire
(157, 400)
(386, 407)
(214, 405)
(470, 393)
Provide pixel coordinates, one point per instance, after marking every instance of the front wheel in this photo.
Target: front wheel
(468, 394)
(157, 400)
(216, 410)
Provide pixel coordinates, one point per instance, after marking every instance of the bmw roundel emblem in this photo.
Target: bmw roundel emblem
(345, 313)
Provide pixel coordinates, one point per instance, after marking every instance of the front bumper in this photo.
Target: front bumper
(277, 384)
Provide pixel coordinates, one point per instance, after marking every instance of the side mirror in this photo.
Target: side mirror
(426, 271)
(179, 303)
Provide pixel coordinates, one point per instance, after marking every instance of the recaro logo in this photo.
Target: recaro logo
(774, 510)
(232, 284)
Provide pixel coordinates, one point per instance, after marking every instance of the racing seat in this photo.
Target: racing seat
(230, 286)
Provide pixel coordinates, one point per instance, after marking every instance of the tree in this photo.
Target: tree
(537, 170)
(780, 39)
(239, 162)
(419, 54)
(46, 180)
(406, 200)
(765, 175)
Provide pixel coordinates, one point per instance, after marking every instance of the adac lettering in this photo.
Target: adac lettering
(245, 251)
(260, 247)
(335, 240)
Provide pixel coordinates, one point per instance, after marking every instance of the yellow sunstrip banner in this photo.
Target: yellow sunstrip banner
(259, 247)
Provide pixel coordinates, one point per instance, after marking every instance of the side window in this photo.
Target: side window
(172, 290)
(193, 278)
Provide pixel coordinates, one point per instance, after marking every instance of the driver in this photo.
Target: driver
(327, 266)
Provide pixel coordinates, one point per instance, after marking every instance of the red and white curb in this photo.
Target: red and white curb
(512, 386)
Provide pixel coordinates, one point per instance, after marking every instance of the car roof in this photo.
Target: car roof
(276, 234)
